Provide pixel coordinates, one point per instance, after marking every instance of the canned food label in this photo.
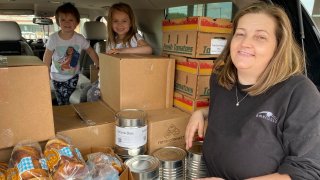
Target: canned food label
(131, 137)
(52, 157)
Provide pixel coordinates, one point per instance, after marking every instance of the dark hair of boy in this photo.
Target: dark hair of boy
(67, 8)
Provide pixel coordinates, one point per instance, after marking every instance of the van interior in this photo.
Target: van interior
(36, 21)
(140, 109)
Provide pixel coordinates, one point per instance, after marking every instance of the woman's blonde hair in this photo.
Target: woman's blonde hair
(286, 61)
(122, 7)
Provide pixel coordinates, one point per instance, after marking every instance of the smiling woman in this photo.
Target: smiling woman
(272, 106)
(253, 46)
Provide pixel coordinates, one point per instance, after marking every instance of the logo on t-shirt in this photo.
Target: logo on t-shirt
(266, 115)
(70, 59)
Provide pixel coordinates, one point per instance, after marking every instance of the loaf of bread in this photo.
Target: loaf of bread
(27, 159)
(56, 143)
(68, 163)
(70, 170)
(103, 165)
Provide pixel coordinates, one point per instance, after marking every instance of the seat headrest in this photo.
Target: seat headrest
(94, 30)
(10, 31)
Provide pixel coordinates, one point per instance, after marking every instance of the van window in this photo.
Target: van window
(28, 29)
(35, 31)
(313, 10)
(214, 10)
(177, 12)
(219, 10)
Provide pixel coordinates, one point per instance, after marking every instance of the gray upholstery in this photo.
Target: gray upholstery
(11, 42)
(10, 31)
(94, 30)
(96, 33)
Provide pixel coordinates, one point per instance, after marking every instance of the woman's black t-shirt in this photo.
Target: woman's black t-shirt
(277, 131)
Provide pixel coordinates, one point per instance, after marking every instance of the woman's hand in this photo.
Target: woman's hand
(196, 123)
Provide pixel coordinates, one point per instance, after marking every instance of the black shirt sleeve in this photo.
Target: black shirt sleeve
(300, 137)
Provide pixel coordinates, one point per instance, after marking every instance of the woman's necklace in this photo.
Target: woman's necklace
(238, 102)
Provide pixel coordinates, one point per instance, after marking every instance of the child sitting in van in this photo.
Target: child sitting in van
(62, 53)
(123, 37)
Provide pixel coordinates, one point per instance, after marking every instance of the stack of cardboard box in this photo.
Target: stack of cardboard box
(192, 78)
(146, 82)
(195, 37)
(127, 81)
(194, 42)
(25, 102)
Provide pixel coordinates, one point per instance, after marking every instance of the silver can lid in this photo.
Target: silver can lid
(170, 153)
(142, 163)
(130, 118)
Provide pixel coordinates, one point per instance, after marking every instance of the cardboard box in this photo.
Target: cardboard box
(193, 44)
(5, 154)
(188, 104)
(25, 101)
(94, 74)
(166, 127)
(84, 136)
(192, 85)
(125, 175)
(198, 23)
(136, 81)
(165, 55)
(4, 82)
(194, 66)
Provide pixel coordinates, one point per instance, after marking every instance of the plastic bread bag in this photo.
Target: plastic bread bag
(27, 162)
(104, 166)
(3, 170)
(64, 160)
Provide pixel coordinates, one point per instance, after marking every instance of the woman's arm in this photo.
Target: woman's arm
(196, 123)
(301, 131)
(275, 176)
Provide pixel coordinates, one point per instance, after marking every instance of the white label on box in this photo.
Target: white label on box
(131, 137)
(217, 45)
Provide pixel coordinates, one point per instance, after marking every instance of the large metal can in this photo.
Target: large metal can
(144, 167)
(130, 133)
(172, 162)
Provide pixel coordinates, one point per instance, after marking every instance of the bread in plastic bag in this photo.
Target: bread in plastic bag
(104, 166)
(64, 160)
(27, 162)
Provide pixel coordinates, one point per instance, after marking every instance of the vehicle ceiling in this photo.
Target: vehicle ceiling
(47, 7)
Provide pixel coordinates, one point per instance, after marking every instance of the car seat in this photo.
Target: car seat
(11, 42)
(96, 33)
